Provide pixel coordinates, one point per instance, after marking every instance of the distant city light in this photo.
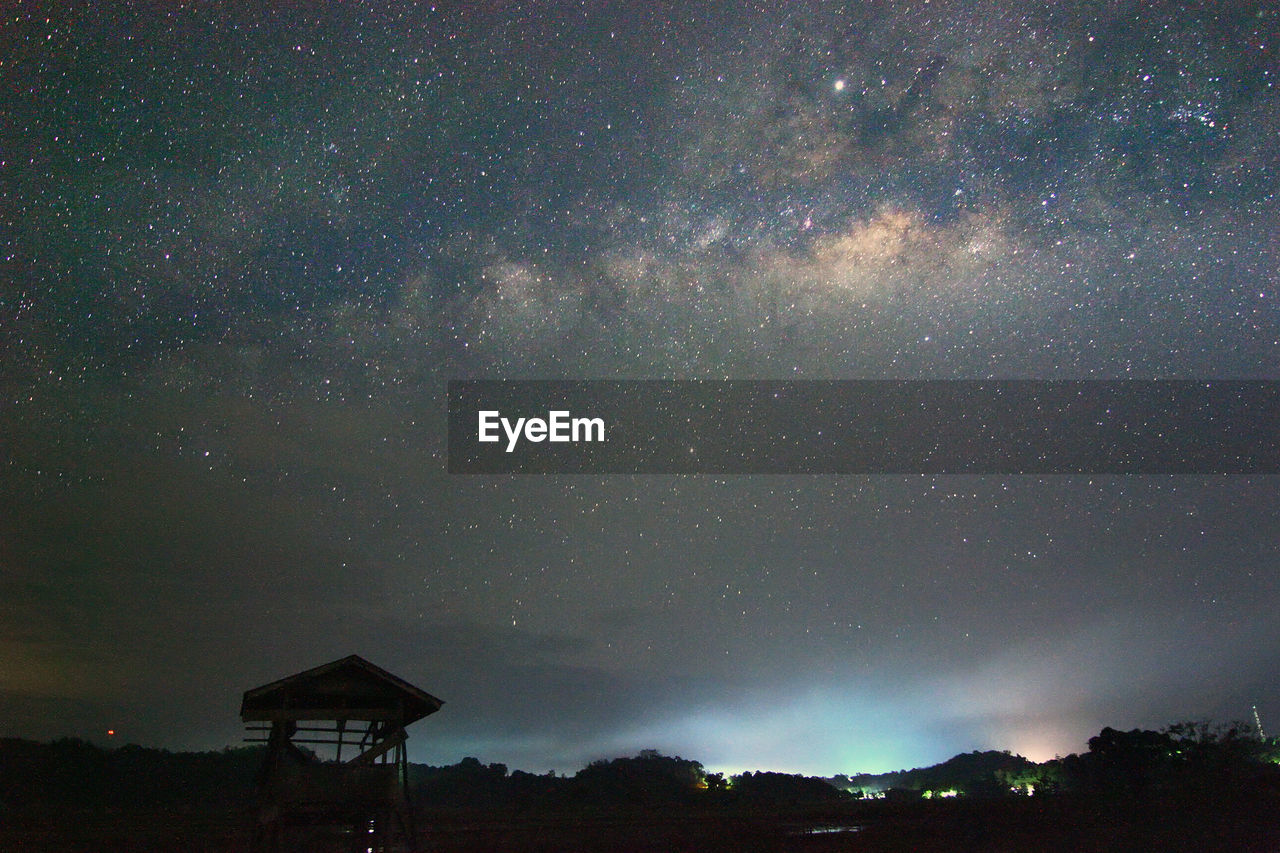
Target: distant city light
(947, 794)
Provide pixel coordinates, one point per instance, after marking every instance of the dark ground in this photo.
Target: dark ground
(1249, 822)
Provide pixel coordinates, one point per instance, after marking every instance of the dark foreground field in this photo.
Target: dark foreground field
(1249, 822)
(1133, 791)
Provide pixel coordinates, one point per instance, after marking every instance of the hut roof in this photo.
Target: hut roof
(346, 689)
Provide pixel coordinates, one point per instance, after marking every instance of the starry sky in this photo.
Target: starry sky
(243, 247)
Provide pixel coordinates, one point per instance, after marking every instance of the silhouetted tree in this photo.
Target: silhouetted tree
(784, 788)
(649, 776)
(1127, 762)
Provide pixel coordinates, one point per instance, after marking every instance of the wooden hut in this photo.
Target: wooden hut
(335, 776)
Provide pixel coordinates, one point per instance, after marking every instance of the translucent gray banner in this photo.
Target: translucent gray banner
(864, 427)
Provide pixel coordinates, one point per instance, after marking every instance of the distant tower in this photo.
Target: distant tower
(311, 796)
(1257, 721)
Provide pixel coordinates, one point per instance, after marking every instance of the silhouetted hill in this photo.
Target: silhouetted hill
(75, 774)
(972, 773)
(647, 779)
(784, 789)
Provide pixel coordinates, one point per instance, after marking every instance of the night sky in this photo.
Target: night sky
(243, 247)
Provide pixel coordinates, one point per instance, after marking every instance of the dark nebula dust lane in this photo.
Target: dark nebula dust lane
(242, 250)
